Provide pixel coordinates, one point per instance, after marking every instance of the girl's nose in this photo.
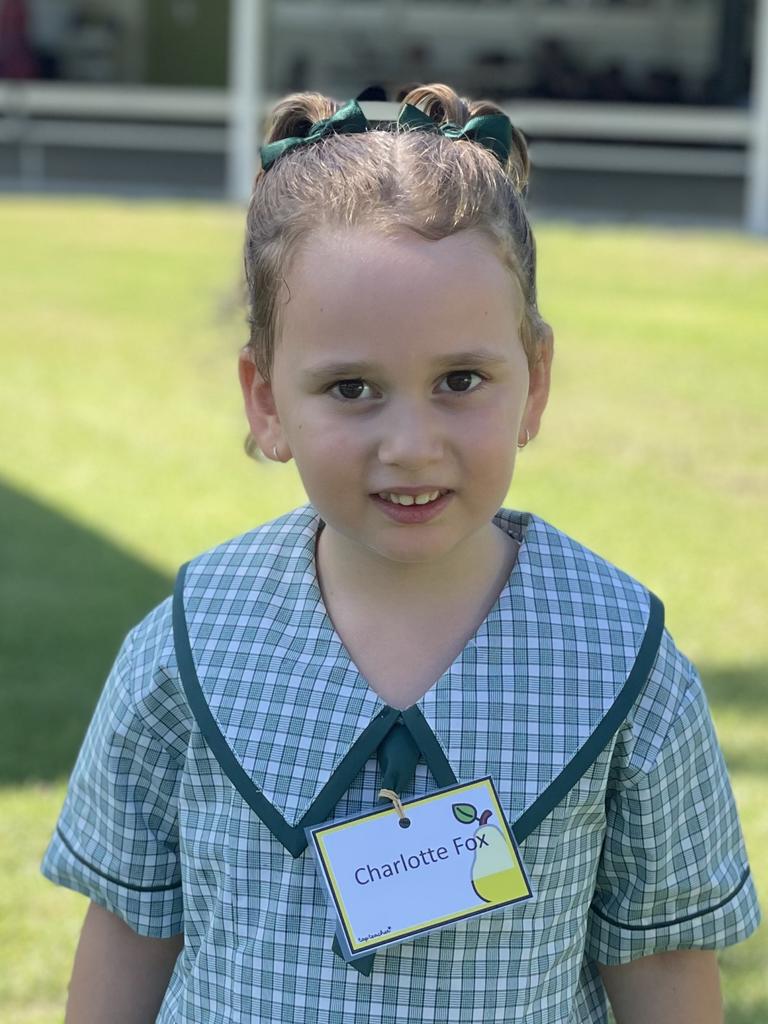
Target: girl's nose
(411, 438)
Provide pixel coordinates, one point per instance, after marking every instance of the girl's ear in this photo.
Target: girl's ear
(260, 409)
(538, 388)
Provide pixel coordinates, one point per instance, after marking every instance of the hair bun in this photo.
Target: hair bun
(295, 114)
(443, 105)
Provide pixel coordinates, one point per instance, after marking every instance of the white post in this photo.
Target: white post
(247, 57)
(757, 156)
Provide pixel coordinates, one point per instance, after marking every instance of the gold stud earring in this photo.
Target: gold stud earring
(527, 439)
(274, 452)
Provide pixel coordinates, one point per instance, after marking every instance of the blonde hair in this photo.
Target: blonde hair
(386, 180)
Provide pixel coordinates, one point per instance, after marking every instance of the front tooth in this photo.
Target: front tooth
(403, 499)
(422, 499)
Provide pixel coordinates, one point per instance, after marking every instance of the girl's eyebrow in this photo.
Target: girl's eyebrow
(477, 357)
(326, 371)
(469, 359)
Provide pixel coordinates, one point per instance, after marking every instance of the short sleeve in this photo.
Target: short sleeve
(116, 839)
(673, 872)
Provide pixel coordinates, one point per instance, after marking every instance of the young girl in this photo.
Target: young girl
(403, 630)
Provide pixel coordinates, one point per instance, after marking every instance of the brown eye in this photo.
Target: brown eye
(463, 378)
(349, 390)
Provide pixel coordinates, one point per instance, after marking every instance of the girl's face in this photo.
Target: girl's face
(399, 365)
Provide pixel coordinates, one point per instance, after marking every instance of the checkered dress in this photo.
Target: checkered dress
(206, 757)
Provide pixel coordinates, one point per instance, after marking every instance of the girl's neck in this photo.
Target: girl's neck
(475, 572)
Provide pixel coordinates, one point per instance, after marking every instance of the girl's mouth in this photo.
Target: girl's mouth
(415, 513)
(420, 499)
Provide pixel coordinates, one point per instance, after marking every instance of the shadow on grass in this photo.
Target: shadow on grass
(67, 599)
(743, 972)
(737, 687)
(741, 690)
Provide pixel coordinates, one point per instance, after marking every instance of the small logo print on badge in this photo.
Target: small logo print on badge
(496, 876)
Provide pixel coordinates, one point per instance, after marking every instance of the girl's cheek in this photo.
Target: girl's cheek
(339, 425)
(330, 437)
(488, 427)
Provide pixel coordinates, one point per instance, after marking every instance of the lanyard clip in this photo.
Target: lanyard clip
(390, 794)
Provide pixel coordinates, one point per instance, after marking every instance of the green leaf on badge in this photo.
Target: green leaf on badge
(465, 813)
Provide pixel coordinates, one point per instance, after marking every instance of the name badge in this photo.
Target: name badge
(390, 878)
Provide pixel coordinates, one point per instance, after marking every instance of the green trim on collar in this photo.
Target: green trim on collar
(425, 738)
(606, 728)
(292, 837)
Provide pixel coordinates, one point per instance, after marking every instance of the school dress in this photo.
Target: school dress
(233, 716)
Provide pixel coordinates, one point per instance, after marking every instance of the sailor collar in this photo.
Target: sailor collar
(562, 654)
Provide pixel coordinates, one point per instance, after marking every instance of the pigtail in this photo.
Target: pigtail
(442, 104)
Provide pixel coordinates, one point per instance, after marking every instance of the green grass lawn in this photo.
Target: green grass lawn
(121, 457)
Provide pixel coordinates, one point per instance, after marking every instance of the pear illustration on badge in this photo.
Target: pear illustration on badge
(496, 876)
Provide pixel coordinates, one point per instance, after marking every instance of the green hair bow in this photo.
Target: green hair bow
(493, 131)
(348, 120)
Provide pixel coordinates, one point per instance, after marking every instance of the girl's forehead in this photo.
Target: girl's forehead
(362, 250)
(356, 287)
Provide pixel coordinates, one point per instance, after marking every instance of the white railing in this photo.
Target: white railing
(35, 117)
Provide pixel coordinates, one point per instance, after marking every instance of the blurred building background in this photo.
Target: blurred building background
(640, 108)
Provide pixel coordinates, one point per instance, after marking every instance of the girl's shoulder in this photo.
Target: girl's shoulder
(616, 609)
(569, 578)
(146, 663)
(274, 543)
(271, 565)
(594, 605)
(263, 560)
